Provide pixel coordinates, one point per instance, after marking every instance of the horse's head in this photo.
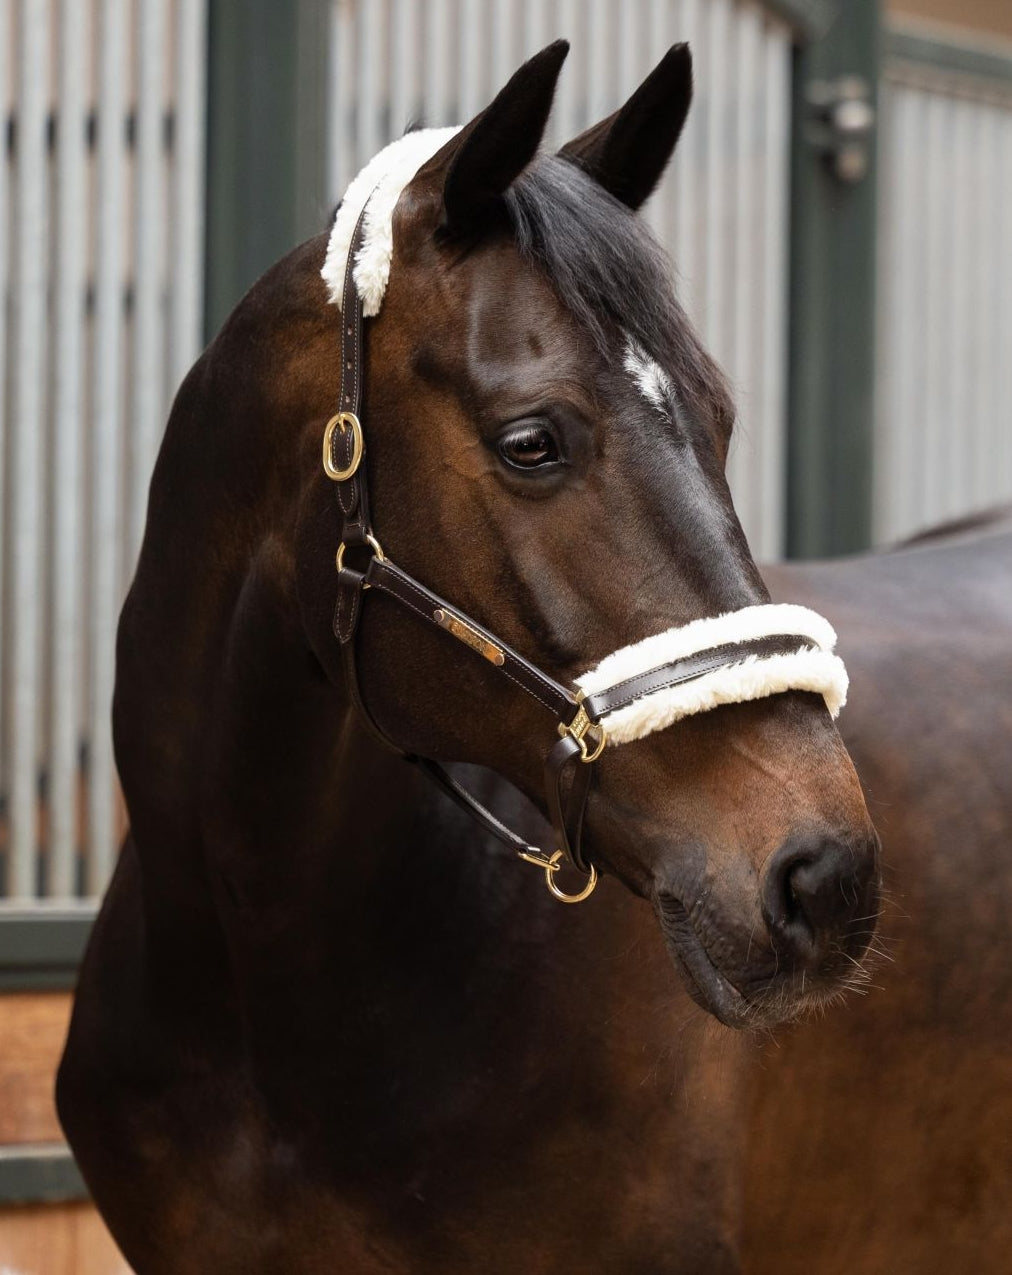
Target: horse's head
(547, 442)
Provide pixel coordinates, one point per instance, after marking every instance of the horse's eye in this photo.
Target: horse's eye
(528, 447)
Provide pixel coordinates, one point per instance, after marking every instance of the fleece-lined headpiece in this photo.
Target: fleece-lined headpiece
(380, 183)
(754, 677)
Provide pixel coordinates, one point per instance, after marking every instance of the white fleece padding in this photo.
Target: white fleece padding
(753, 677)
(381, 183)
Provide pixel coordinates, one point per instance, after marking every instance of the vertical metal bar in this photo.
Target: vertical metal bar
(106, 453)
(6, 424)
(739, 261)
(1003, 378)
(888, 300)
(571, 116)
(600, 58)
(472, 58)
(773, 313)
(987, 343)
(891, 478)
(187, 195)
(28, 343)
(967, 214)
(438, 64)
(369, 137)
(536, 26)
(147, 395)
(920, 232)
(623, 51)
(936, 356)
(68, 415)
(404, 36)
(507, 26)
(984, 316)
(720, 40)
(343, 89)
(657, 39)
(687, 173)
(743, 261)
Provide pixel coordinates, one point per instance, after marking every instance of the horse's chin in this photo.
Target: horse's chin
(776, 1001)
(707, 986)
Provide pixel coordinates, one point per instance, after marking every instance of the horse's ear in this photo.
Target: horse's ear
(628, 152)
(491, 151)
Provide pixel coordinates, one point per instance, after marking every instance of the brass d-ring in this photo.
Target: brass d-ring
(550, 870)
(343, 421)
(373, 544)
(588, 756)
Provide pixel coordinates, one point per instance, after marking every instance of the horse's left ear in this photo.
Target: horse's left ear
(628, 152)
(491, 151)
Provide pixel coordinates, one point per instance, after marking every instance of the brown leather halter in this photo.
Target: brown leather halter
(581, 737)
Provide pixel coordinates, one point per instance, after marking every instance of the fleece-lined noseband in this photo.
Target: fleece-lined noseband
(728, 659)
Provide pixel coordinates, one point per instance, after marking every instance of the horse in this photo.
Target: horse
(325, 1020)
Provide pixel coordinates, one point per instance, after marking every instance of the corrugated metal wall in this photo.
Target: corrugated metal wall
(101, 265)
(722, 208)
(943, 444)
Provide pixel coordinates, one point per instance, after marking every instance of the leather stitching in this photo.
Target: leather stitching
(426, 614)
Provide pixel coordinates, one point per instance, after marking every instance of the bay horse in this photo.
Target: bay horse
(325, 1021)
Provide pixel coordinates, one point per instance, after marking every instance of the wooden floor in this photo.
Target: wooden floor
(53, 1239)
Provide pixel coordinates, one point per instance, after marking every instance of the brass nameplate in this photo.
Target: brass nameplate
(469, 636)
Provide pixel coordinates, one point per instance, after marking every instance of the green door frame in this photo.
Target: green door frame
(831, 375)
(266, 140)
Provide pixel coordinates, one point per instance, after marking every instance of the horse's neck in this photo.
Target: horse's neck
(260, 800)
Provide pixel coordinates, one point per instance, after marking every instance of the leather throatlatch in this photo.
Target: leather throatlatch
(362, 565)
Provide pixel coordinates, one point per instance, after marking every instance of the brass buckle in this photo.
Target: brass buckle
(343, 421)
(373, 544)
(551, 865)
(579, 728)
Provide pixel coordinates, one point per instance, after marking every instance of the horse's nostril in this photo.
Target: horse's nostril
(819, 893)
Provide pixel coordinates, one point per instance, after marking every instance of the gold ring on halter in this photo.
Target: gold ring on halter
(370, 540)
(343, 421)
(552, 866)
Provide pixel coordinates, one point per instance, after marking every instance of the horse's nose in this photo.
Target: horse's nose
(819, 898)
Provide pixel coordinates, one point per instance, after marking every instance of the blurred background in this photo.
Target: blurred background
(839, 215)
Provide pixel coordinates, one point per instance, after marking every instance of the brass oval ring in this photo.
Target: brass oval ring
(343, 421)
(373, 544)
(561, 895)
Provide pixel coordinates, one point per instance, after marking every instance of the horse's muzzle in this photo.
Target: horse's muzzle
(767, 960)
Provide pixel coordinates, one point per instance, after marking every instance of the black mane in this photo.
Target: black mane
(608, 270)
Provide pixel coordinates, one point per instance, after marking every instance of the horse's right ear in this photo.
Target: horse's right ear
(490, 152)
(628, 152)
